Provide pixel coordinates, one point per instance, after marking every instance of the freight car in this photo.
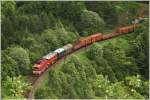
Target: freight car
(88, 40)
(127, 29)
(52, 57)
(67, 48)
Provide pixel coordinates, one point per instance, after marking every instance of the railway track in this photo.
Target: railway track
(36, 80)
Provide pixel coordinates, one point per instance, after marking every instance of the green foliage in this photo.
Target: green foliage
(8, 8)
(14, 87)
(65, 9)
(137, 84)
(144, 90)
(120, 91)
(15, 61)
(44, 92)
(107, 10)
(117, 90)
(53, 39)
(133, 82)
(7, 27)
(35, 47)
(139, 49)
(100, 85)
(21, 57)
(5, 42)
(89, 23)
(119, 62)
(9, 66)
(95, 51)
(129, 9)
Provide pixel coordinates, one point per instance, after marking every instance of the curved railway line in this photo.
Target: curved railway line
(36, 80)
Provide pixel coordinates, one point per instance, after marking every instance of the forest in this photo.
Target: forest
(112, 69)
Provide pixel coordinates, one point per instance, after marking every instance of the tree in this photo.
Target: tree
(139, 49)
(119, 91)
(144, 90)
(55, 82)
(68, 82)
(119, 62)
(50, 40)
(65, 9)
(107, 11)
(137, 84)
(102, 67)
(4, 42)
(133, 82)
(44, 93)
(14, 87)
(95, 51)
(101, 84)
(9, 66)
(21, 56)
(7, 28)
(8, 8)
(90, 72)
(89, 23)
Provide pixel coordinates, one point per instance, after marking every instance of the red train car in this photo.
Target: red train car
(131, 28)
(126, 29)
(96, 37)
(122, 30)
(108, 36)
(88, 40)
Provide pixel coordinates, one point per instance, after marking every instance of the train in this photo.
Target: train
(52, 57)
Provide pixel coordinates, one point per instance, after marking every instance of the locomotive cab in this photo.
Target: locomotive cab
(38, 67)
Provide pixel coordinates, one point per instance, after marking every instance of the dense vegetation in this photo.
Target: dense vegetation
(32, 29)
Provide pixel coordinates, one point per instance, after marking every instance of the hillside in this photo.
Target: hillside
(116, 68)
(104, 70)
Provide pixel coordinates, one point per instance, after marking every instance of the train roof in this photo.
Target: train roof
(59, 50)
(89, 37)
(68, 46)
(97, 34)
(49, 55)
(85, 38)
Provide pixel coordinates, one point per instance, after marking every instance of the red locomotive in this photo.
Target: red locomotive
(52, 57)
(43, 64)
